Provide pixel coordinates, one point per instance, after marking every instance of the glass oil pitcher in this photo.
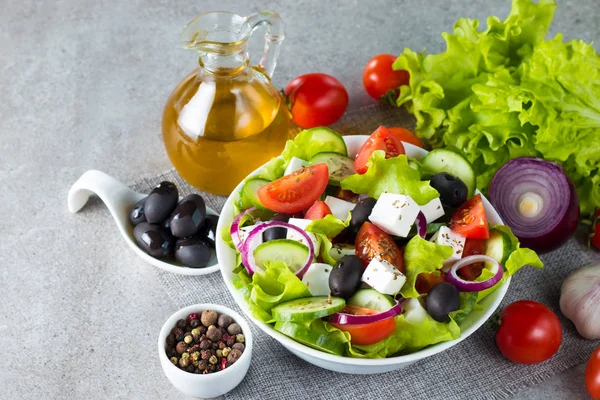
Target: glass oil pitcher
(226, 118)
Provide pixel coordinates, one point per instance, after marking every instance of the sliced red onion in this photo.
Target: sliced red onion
(234, 231)
(470, 286)
(255, 239)
(344, 318)
(421, 223)
(537, 200)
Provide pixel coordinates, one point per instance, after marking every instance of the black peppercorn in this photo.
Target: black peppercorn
(194, 323)
(208, 318)
(231, 341)
(178, 334)
(204, 344)
(171, 340)
(181, 347)
(202, 365)
(190, 368)
(213, 333)
(233, 356)
(222, 345)
(205, 354)
(197, 371)
(225, 320)
(181, 324)
(171, 352)
(234, 329)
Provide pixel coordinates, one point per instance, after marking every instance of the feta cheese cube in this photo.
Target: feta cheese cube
(395, 213)
(383, 277)
(414, 312)
(340, 250)
(302, 224)
(446, 237)
(316, 279)
(339, 208)
(433, 210)
(295, 164)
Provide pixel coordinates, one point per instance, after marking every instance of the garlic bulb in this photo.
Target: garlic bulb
(580, 300)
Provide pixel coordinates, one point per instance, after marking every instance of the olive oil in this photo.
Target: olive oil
(217, 128)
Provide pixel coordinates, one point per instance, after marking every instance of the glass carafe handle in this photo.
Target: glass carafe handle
(273, 37)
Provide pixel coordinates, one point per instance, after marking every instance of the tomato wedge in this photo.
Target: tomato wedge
(372, 242)
(318, 210)
(381, 139)
(295, 192)
(425, 282)
(405, 135)
(366, 334)
(470, 219)
(472, 247)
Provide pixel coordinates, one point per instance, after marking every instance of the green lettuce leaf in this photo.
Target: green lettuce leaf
(305, 145)
(392, 175)
(330, 226)
(422, 256)
(468, 303)
(273, 170)
(505, 92)
(325, 248)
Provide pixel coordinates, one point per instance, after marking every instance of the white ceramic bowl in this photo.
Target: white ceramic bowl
(210, 385)
(226, 257)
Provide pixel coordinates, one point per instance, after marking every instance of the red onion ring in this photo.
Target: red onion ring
(421, 223)
(234, 231)
(255, 238)
(537, 200)
(344, 318)
(470, 286)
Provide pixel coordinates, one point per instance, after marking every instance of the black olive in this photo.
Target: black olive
(453, 191)
(344, 279)
(274, 233)
(281, 217)
(442, 299)
(137, 216)
(208, 230)
(160, 202)
(360, 213)
(188, 216)
(192, 252)
(153, 239)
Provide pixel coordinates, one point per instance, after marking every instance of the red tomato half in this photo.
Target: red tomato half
(404, 135)
(472, 247)
(297, 191)
(529, 332)
(316, 100)
(366, 334)
(381, 139)
(592, 374)
(318, 210)
(372, 242)
(379, 77)
(470, 219)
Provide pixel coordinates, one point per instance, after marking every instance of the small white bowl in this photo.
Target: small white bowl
(205, 385)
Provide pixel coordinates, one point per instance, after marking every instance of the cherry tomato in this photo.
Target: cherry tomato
(316, 100)
(595, 234)
(405, 135)
(425, 282)
(472, 247)
(372, 242)
(366, 334)
(317, 211)
(379, 77)
(529, 332)
(381, 139)
(592, 374)
(297, 191)
(470, 219)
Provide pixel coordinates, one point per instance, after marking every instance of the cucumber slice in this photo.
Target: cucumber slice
(452, 162)
(340, 250)
(249, 197)
(499, 246)
(339, 166)
(307, 309)
(371, 298)
(292, 252)
(322, 139)
(319, 341)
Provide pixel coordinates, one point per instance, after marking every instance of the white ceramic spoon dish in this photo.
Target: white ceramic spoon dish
(119, 199)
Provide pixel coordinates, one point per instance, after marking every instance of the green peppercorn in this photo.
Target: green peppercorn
(188, 339)
(196, 334)
(174, 360)
(226, 351)
(184, 362)
(219, 353)
(240, 338)
(213, 359)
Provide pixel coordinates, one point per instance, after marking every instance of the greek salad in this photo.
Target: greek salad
(373, 254)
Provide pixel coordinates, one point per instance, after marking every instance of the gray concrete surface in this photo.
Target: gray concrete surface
(82, 86)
